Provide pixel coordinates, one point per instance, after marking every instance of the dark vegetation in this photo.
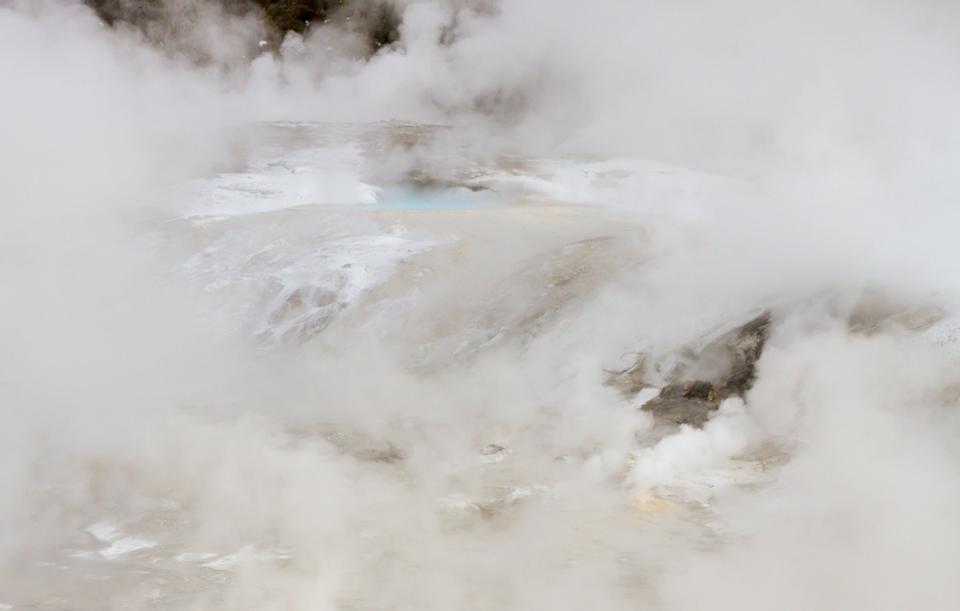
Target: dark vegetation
(378, 20)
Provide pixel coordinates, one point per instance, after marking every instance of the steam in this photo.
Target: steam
(445, 438)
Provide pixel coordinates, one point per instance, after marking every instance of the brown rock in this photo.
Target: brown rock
(684, 403)
(724, 367)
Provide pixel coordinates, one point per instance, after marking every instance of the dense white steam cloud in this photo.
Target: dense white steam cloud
(449, 442)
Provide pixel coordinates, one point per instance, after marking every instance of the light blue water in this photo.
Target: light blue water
(423, 199)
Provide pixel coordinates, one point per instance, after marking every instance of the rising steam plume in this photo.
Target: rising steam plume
(528, 304)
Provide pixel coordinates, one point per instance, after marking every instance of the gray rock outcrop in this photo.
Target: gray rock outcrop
(724, 367)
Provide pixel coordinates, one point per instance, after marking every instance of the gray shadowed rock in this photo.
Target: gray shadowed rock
(740, 349)
(724, 367)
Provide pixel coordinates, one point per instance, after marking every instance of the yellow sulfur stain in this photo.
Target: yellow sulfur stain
(648, 502)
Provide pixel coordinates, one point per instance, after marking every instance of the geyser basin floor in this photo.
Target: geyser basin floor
(407, 406)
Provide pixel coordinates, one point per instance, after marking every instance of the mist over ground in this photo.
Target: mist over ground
(515, 304)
